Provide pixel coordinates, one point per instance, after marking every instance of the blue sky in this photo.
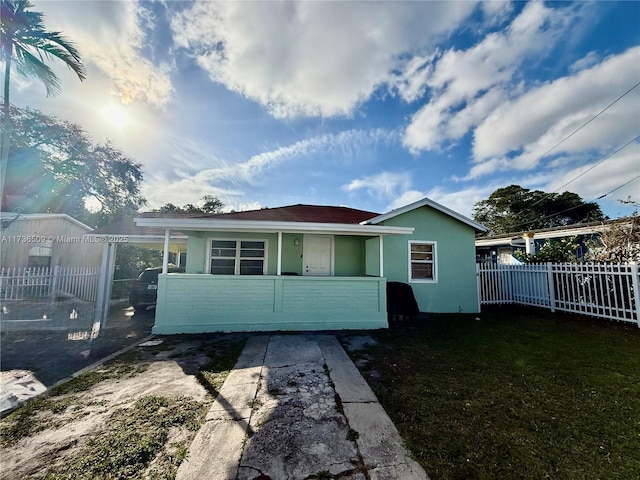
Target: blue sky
(371, 105)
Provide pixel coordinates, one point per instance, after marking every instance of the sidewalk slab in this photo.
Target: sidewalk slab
(288, 411)
(215, 451)
(349, 384)
(380, 443)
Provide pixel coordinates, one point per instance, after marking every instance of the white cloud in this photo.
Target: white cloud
(381, 185)
(540, 118)
(181, 181)
(466, 85)
(109, 36)
(311, 58)
(406, 198)
(588, 61)
(610, 174)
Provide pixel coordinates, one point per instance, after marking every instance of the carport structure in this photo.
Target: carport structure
(126, 232)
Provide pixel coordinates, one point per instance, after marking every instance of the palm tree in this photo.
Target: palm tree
(26, 43)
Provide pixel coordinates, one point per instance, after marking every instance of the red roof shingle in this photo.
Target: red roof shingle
(291, 213)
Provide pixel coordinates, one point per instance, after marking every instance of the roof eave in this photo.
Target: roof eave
(270, 226)
(429, 203)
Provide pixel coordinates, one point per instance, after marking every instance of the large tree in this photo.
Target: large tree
(514, 209)
(27, 44)
(210, 204)
(55, 167)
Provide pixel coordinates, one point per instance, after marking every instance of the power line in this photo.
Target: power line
(596, 164)
(578, 206)
(583, 125)
(579, 175)
(617, 188)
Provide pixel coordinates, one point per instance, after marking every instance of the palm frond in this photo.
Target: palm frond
(31, 66)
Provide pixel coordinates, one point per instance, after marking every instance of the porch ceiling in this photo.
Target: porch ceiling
(193, 224)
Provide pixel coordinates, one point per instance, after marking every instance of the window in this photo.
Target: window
(423, 265)
(237, 257)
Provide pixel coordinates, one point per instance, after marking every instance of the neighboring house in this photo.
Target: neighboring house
(500, 248)
(46, 240)
(309, 267)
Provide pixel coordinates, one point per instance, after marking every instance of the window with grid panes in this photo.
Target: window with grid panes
(422, 262)
(237, 257)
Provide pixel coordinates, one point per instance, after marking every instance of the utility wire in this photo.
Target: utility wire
(594, 165)
(579, 175)
(583, 125)
(617, 188)
(578, 206)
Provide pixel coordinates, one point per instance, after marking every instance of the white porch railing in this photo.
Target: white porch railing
(601, 290)
(21, 283)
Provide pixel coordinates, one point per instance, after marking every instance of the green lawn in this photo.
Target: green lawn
(522, 393)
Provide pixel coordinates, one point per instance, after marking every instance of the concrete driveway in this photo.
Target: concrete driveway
(36, 355)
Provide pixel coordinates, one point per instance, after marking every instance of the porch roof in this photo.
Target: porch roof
(220, 223)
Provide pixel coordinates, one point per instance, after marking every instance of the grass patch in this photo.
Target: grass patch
(33, 417)
(134, 438)
(223, 358)
(521, 394)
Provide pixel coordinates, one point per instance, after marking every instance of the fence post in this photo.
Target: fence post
(636, 289)
(54, 283)
(478, 286)
(551, 286)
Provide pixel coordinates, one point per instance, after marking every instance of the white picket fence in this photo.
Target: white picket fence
(23, 283)
(597, 289)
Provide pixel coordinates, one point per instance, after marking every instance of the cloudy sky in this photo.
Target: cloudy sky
(372, 105)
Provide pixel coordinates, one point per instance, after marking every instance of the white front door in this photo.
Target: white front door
(317, 251)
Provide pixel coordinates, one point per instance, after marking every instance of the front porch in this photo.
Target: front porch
(192, 303)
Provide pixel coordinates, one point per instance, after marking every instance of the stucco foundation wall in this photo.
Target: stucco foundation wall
(189, 303)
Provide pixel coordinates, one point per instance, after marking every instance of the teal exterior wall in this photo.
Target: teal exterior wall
(456, 289)
(349, 252)
(291, 253)
(189, 303)
(349, 256)
(198, 243)
(372, 259)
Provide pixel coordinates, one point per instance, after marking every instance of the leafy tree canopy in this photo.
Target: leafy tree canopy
(619, 243)
(210, 204)
(562, 251)
(54, 167)
(514, 209)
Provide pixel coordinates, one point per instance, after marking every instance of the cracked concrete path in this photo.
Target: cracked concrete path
(295, 407)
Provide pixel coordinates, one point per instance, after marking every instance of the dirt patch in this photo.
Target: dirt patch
(132, 417)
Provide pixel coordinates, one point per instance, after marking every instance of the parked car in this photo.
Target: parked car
(144, 290)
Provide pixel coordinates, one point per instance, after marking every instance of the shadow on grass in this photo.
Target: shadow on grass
(521, 393)
(135, 442)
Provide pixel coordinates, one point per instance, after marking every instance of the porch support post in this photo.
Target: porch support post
(105, 283)
(279, 267)
(381, 256)
(165, 254)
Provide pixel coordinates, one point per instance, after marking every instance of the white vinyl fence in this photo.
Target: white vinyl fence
(39, 282)
(597, 289)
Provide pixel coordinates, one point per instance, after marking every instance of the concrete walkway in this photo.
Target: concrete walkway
(296, 407)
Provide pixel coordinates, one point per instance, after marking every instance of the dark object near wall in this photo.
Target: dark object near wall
(401, 303)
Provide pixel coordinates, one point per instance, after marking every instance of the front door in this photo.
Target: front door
(316, 255)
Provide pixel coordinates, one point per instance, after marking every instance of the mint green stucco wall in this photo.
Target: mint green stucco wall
(372, 258)
(349, 252)
(198, 242)
(349, 256)
(211, 303)
(456, 288)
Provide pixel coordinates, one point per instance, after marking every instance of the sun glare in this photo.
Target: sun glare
(116, 115)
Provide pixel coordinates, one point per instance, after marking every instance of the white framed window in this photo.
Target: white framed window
(237, 257)
(423, 262)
